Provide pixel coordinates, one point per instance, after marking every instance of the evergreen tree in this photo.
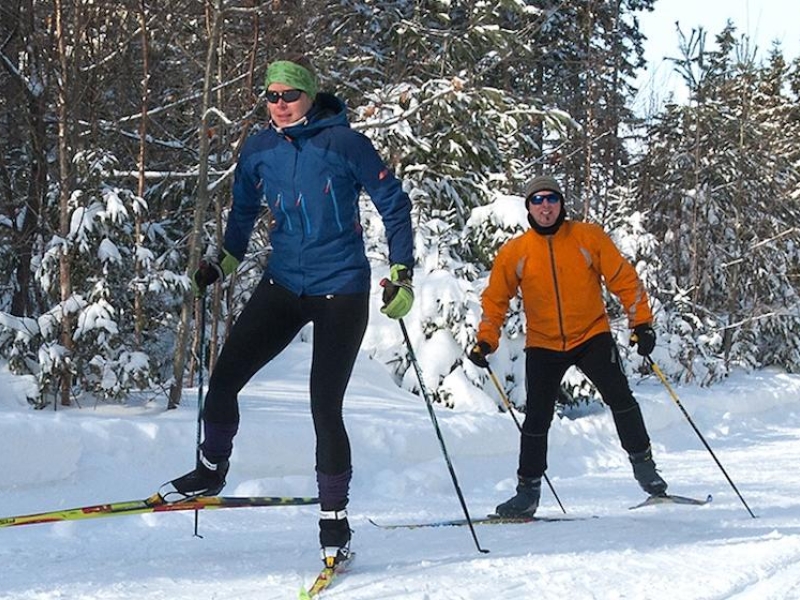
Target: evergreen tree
(714, 180)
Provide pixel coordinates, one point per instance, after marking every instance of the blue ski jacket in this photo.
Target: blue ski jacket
(310, 176)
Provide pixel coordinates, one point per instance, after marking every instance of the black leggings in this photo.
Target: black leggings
(598, 358)
(269, 322)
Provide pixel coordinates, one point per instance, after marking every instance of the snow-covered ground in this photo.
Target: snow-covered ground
(109, 453)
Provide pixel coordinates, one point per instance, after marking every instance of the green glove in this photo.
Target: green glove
(209, 270)
(398, 293)
(228, 262)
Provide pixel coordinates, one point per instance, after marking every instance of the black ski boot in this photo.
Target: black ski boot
(644, 470)
(207, 479)
(526, 500)
(334, 536)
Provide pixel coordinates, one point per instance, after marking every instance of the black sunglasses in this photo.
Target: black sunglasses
(287, 96)
(549, 198)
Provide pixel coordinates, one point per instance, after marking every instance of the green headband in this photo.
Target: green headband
(289, 73)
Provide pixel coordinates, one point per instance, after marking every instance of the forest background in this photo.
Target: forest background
(120, 125)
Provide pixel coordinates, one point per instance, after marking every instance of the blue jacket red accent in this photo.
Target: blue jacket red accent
(310, 176)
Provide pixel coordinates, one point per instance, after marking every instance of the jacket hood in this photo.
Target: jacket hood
(327, 111)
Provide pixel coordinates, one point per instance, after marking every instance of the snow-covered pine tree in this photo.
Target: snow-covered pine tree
(105, 361)
(719, 198)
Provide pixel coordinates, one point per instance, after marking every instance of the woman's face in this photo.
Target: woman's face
(285, 113)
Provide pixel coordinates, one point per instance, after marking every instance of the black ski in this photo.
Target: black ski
(487, 520)
(672, 499)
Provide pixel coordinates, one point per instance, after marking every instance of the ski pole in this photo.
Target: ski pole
(696, 430)
(200, 397)
(424, 392)
(509, 407)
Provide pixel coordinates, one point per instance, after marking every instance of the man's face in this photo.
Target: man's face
(544, 207)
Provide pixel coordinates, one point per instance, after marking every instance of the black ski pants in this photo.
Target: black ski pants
(598, 358)
(268, 323)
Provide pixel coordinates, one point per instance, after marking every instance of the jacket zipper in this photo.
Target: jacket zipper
(558, 296)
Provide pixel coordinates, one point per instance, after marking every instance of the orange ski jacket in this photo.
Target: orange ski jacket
(560, 277)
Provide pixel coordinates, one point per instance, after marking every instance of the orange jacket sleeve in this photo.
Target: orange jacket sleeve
(504, 280)
(622, 280)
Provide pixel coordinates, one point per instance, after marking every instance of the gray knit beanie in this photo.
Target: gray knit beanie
(541, 183)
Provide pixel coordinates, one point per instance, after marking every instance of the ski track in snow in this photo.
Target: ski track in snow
(111, 453)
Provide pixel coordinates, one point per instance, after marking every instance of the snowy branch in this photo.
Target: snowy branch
(177, 103)
(156, 175)
(404, 116)
(762, 243)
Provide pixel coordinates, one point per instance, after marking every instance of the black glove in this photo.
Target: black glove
(478, 354)
(644, 337)
(208, 271)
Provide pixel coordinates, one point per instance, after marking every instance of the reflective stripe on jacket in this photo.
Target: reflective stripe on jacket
(560, 278)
